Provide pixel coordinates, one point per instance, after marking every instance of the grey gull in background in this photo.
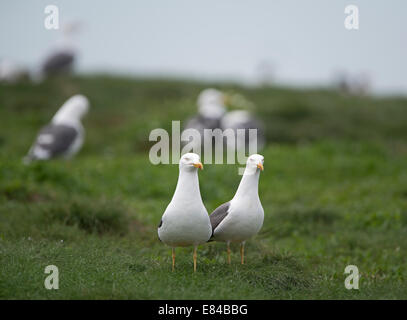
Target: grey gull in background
(64, 136)
(185, 221)
(242, 217)
(211, 108)
(61, 58)
(355, 84)
(212, 115)
(243, 119)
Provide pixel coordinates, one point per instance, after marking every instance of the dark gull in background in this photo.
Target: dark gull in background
(355, 84)
(242, 217)
(64, 136)
(212, 115)
(61, 58)
(59, 61)
(185, 221)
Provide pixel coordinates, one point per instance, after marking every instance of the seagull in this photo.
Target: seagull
(211, 104)
(242, 217)
(243, 119)
(64, 136)
(211, 108)
(12, 72)
(185, 222)
(59, 61)
(62, 57)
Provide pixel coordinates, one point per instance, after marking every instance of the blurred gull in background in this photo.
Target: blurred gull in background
(12, 72)
(211, 108)
(244, 120)
(212, 115)
(352, 83)
(64, 136)
(61, 58)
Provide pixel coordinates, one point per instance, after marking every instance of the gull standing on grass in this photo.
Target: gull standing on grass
(64, 136)
(242, 217)
(185, 222)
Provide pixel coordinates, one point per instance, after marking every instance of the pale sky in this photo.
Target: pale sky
(305, 41)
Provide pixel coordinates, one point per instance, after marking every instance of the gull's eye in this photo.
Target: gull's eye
(187, 159)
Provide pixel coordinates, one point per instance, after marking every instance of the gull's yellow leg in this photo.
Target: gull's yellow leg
(228, 248)
(173, 259)
(195, 258)
(242, 252)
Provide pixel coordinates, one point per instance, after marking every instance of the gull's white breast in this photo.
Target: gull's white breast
(185, 224)
(243, 221)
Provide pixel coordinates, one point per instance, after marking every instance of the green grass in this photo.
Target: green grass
(334, 191)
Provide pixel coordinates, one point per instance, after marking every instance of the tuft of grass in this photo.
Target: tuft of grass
(300, 220)
(14, 190)
(91, 216)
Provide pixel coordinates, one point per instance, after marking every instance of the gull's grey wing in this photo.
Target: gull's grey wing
(54, 140)
(218, 215)
(58, 62)
(159, 226)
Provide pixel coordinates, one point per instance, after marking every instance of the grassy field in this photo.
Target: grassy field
(334, 191)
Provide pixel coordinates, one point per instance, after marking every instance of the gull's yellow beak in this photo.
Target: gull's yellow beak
(260, 166)
(198, 165)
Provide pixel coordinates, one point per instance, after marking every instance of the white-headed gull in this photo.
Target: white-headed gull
(242, 217)
(185, 221)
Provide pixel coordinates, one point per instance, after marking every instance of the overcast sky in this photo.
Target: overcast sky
(305, 42)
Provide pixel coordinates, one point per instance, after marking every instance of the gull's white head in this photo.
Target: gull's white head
(72, 110)
(211, 103)
(190, 161)
(255, 163)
